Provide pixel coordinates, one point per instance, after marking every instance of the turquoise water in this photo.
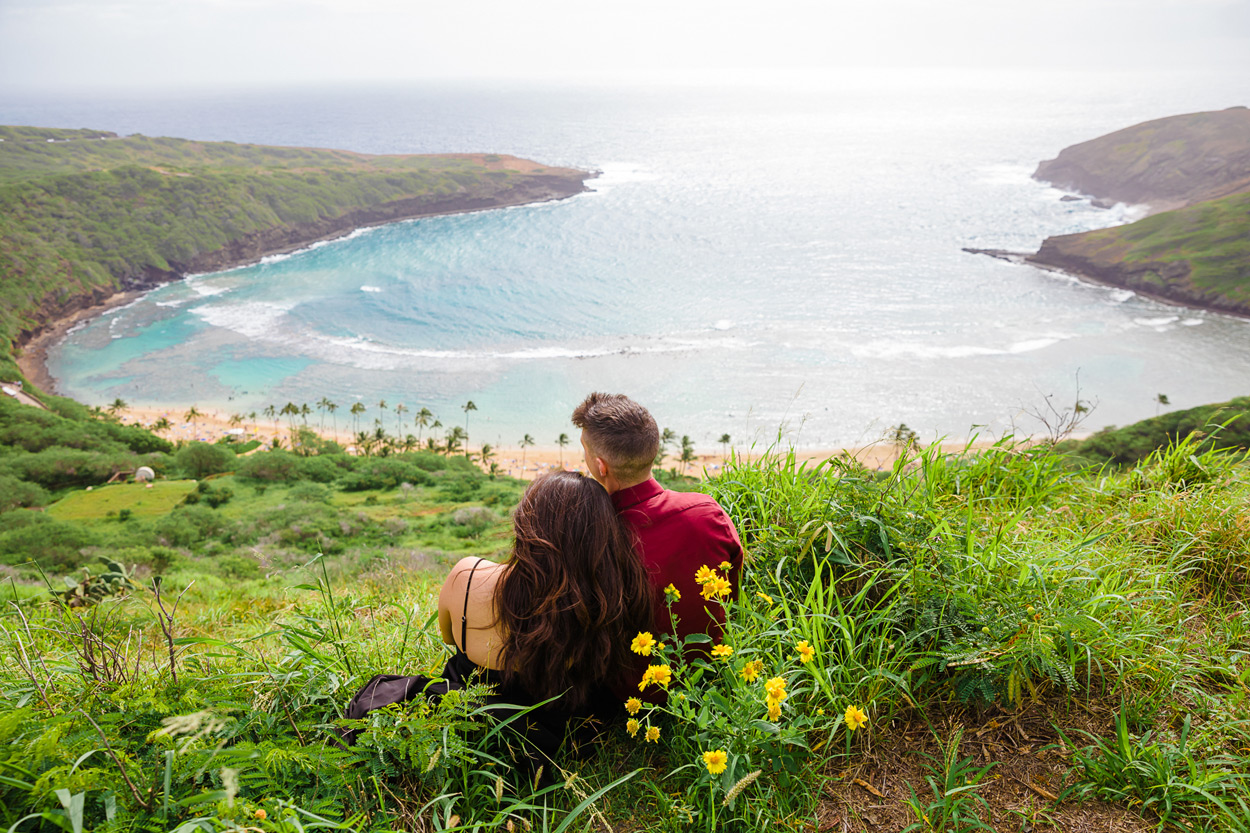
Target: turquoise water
(780, 256)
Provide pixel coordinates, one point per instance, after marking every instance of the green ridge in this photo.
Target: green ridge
(85, 213)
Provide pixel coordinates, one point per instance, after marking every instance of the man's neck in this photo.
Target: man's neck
(618, 486)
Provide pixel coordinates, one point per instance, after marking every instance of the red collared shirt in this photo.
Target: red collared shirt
(679, 532)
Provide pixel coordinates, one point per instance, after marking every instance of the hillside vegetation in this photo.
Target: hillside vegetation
(988, 640)
(1197, 253)
(1171, 161)
(85, 213)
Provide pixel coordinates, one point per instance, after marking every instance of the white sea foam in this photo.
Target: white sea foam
(898, 349)
(1005, 174)
(1157, 322)
(367, 288)
(1191, 322)
(205, 290)
(255, 320)
(723, 324)
(1119, 296)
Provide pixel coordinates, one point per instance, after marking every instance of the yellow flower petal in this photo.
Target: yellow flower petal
(653, 734)
(855, 718)
(632, 705)
(716, 761)
(642, 644)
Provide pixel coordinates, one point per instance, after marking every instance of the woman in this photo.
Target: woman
(558, 617)
(554, 621)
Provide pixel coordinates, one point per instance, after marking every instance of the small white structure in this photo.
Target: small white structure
(144, 474)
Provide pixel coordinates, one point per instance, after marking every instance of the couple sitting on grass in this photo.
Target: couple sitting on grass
(589, 571)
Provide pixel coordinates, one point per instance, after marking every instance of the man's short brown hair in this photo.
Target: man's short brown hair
(620, 431)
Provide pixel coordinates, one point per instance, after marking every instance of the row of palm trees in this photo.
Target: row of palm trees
(380, 442)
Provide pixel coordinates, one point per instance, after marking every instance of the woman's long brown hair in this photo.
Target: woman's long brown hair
(575, 593)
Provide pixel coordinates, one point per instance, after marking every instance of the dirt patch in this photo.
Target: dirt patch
(1031, 770)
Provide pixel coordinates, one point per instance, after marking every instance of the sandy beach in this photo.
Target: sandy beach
(527, 463)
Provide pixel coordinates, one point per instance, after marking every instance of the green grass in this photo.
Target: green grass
(143, 502)
(949, 591)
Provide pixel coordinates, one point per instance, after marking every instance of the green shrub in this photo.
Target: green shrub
(199, 460)
(270, 466)
(16, 493)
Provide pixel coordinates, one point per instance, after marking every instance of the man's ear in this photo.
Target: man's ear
(601, 469)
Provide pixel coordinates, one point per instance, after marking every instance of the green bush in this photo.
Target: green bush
(270, 466)
(198, 460)
(16, 493)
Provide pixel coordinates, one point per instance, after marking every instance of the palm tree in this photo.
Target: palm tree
(118, 404)
(332, 407)
(487, 451)
(562, 441)
(304, 411)
(454, 438)
(526, 441)
(666, 436)
(237, 419)
(269, 411)
(251, 415)
(400, 410)
(466, 407)
(322, 405)
(381, 404)
(422, 420)
(687, 452)
(724, 445)
(193, 413)
(161, 424)
(356, 410)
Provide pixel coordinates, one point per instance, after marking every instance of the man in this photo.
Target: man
(678, 532)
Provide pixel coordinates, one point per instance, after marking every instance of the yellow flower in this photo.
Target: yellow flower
(716, 761)
(717, 585)
(752, 670)
(631, 726)
(673, 592)
(776, 688)
(820, 711)
(661, 675)
(806, 652)
(761, 594)
(642, 644)
(632, 705)
(855, 718)
(722, 652)
(653, 734)
(774, 709)
(726, 566)
(703, 574)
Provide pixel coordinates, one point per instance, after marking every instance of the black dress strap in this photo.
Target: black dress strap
(464, 612)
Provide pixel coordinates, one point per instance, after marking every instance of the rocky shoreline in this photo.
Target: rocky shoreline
(1168, 282)
(56, 320)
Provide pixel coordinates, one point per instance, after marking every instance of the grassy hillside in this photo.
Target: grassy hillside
(1223, 425)
(85, 213)
(1198, 255)
(1171, 161)
(1029, 645)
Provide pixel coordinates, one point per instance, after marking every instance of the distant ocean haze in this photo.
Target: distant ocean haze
(749, 259)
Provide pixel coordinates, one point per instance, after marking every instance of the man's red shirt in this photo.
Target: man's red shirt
(679, 532)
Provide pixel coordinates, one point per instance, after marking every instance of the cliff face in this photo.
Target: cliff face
(1197, 253)
(85, 214)
(1166, 163)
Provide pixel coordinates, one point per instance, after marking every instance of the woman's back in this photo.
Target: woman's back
(557, 619)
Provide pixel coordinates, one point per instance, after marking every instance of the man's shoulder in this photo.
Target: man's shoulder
(688, 502)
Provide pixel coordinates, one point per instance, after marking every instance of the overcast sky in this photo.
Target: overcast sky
(80, 44)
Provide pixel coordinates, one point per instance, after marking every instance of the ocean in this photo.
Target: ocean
(765, 255)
